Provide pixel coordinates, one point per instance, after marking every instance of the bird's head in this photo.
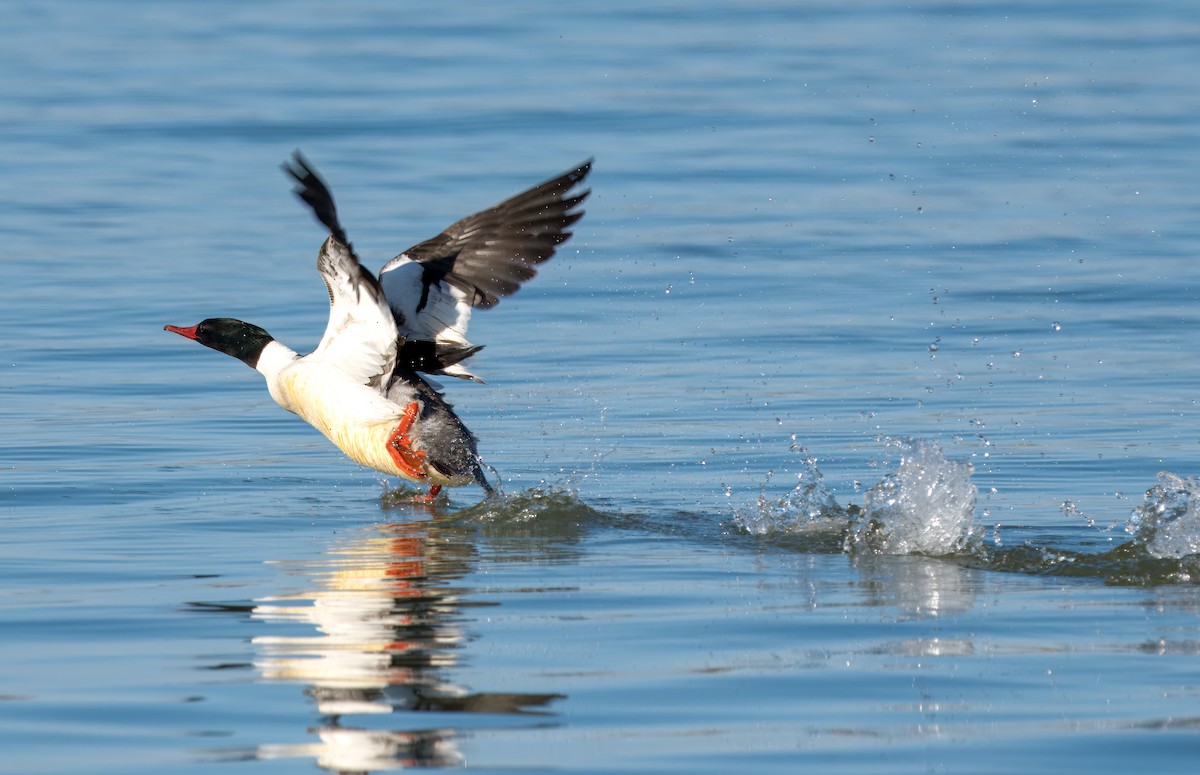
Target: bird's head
(244, 341)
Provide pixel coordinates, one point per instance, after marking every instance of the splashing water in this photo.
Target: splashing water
(545, 503)
(1167, 523)
(926, 506)
(809, 507)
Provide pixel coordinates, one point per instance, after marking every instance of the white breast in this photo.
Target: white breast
(357, 418)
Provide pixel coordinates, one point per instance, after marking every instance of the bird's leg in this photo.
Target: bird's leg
(430, 496)
(410, 461)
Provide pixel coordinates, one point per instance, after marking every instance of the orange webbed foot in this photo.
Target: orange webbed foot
(399, 446)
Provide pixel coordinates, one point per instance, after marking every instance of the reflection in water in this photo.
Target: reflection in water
(364, 750)
(381, 628)
(920, 588)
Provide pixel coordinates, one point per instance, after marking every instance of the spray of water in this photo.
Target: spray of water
(1167, 523)
(925, 506)
(809, 508)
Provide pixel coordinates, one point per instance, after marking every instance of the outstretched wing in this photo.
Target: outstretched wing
(360, 338)
(433, 286)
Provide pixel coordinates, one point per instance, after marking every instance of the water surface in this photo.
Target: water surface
(825, 442)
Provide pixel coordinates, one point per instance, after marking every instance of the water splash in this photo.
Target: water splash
(543, 506)
(809, 508)
(1167, 523)
(926, 506)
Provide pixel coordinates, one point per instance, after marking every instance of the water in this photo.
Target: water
(853, 431)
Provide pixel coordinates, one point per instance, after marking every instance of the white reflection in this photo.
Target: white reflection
(379, 631)
(362, 750)
(919, 587)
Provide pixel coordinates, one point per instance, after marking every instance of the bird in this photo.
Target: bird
(363, 386)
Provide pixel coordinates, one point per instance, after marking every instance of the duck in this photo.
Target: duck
(368, 386)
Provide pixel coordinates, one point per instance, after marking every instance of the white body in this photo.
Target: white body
(356, 417)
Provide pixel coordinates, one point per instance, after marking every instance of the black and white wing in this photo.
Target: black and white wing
(360, 339)
(433, 286)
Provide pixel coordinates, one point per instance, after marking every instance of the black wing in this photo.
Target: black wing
(488, 255)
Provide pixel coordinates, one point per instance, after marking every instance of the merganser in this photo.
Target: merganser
(361, 386)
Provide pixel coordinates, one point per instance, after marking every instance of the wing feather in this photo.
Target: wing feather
(489, 254)
(360, 338)
(433, 286)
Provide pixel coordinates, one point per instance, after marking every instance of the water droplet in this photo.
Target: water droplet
(871, 139)
(1056, 326)
(1016, 353)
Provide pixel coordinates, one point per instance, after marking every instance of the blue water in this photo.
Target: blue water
(928, 267)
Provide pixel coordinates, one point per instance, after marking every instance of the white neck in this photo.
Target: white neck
(274, 358)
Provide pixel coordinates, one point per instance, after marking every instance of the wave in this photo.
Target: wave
(927, 506)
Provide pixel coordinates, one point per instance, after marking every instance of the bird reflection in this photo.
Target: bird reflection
(344, 750)
(381, 628)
